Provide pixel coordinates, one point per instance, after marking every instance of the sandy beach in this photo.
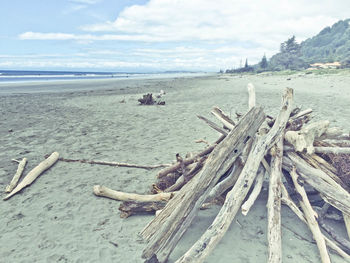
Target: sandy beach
(58, 218)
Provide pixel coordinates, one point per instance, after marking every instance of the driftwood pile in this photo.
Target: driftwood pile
(148, 99)
(303, 159)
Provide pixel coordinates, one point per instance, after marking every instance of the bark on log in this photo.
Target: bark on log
(201, 249)
(223, 117)
(116, 164)
(17, 175)
(274, 231)
(165, 230)
(122, 196)
(311, 216)
(35, 173)
(128, 208)
(304, 139)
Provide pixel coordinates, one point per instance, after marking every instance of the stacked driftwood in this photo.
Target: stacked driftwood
(303, 159)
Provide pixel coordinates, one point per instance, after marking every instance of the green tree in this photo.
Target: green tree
(263, 62)
(246, 64)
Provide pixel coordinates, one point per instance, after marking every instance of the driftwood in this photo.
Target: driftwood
(223, 117)
(213, 125)
(147, 99)
(181, 210)
(122, 196)
(35, 173)
(17, 176)
(251, 93)
(116, 164)
(128, 208)
(311, 216)
(304, 139)
(235, 197)
(274, 231)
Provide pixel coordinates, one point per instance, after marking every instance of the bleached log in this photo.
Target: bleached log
(35, 173)
(289, 202)
(255, 192)
(116, 164)
(251, 94)
(347, 224)
(342, 143)
(122, 196)
(304, 139)
(311, 216)
(301, 114)
(330, 191)
(213, 125)
(274, 230)
(223, 118)
(128, 208)
(201, 249)
(17, 175)
(165, 230)
(333, 150)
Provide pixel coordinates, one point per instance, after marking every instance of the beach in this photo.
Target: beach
(59, 219)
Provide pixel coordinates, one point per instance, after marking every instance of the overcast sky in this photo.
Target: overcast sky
(140, 35)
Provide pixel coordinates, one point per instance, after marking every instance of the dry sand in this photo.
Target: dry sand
(58, 219)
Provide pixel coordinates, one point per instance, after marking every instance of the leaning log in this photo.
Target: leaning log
(201, 249)
(17, 175)
(122, 196)
(274, 232)
(311, 216)
(35, 173)
(165, 230)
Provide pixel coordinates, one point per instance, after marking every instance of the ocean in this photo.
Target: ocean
(10, 76)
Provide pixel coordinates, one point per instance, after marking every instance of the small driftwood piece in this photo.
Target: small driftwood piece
(213, 125)
(333, 150)
(347, 224)
(201, 249)
(223, 118)
(128, 208)
(116, 164)
(304, 139)
(122, 196)
(311, 216)
(274, 229)
(35, 173)
(17, 176)
(165, 230)
(251, 94)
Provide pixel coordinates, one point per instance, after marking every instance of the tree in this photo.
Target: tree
(263, 62)
(290, 46)
(246, 64)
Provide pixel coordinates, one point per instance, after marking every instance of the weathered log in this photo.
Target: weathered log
(251, 94)
(304, 139)
(213, 125)
(17, 175)
(274, 230)
(289, 202)
(311, 216)
(122, 196)
(329, 190)
(128, 208)
(201, 249)
(255, 192)
(333, 150)
(35, 173)
(165, 230)
(347, 224)
(116, 164)
(223, 117)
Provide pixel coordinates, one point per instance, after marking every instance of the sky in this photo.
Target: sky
(154, 35)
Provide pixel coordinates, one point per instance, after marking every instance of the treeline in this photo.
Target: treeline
(330, 45)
